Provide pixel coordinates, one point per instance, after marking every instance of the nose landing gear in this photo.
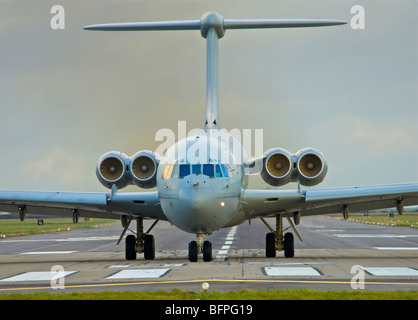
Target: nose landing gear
(200, 246)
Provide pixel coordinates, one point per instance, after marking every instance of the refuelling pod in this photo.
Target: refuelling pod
(278, 167)
(144, 167)
(311, 166)
(113, 169)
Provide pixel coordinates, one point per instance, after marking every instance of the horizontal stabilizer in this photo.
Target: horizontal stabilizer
(207, 21)
(147, 26)
(279, 23)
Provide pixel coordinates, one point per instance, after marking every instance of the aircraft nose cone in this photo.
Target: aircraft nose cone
(195, 212)
(196, 199)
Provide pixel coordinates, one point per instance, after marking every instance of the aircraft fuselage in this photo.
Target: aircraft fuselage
(199, 182)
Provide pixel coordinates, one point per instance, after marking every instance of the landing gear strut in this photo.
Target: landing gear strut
(200, 246)
(142, 243)
(275, 241)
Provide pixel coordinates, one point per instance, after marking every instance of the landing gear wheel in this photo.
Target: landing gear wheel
(289, 245)
(149, 247)
(130, 247)
(193, 251)
(207, 251)
(270, 245)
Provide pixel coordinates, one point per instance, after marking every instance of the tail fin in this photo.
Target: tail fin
(212, 27)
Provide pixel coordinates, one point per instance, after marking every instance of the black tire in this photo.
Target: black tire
(149, 247)
(270, 245)
(207, 251)
(193, 251)
(289, 245)
(130, 247)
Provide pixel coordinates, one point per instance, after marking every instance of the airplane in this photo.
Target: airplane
(202, 180)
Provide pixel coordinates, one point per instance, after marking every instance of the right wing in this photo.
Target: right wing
(95, 205)
(261, 203)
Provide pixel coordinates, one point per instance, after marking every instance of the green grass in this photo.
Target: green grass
(15, 227)
(383, 219)
(246, 294)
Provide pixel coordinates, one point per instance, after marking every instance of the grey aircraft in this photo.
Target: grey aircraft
(202, 179)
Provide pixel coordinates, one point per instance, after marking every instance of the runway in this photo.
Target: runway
(334, 254)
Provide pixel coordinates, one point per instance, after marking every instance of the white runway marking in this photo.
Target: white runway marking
(119, 266)
(396, 248)
(392, 271)
(294, 271)
(38, 276)
(80, 239)
(223, 253)
(49, 252)
(376, 235)
(139, 273)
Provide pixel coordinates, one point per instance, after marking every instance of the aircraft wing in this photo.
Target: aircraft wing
(261, 203)
(95, 205)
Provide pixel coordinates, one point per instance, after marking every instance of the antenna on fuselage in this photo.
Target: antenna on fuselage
(212, 27)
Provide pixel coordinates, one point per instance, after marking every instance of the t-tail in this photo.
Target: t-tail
(212, 27)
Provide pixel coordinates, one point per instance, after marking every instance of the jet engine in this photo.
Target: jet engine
(116, 168)
(311, 166)
(278, 167)
(144, 169)
(308, 166)
(113, 169)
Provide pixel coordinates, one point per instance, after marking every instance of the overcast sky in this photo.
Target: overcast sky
(69, 96)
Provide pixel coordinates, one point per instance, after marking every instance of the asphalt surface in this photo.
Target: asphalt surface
(334, 254)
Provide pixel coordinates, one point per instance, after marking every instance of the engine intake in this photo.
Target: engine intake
(144, 169)
(116, 168)
(112, 170)
(278, 167)
(311, 166)
(308, 166)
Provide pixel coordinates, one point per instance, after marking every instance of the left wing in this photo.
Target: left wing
(96, 205)
(261, 203)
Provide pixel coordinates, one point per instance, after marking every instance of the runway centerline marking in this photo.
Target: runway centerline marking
(222, 254)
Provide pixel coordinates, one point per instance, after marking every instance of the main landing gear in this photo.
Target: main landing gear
(200, 246)
(276, 241)
(141, 243)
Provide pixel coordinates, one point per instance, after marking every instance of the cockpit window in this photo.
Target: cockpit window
(208, 170)
(226, 171)
(196, 168)
(175, 172)
(218, 171)
(184, 170)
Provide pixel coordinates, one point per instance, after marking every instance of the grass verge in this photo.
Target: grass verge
(16, 228)
(246, 294)
(384, 219)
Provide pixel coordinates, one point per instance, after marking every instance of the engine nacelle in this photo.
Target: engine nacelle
(278, 167)
(113, 169)
(308, 166)
(311, 166)
(144, 167)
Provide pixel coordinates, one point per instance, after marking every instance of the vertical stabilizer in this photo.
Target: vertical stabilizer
(212, 27)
